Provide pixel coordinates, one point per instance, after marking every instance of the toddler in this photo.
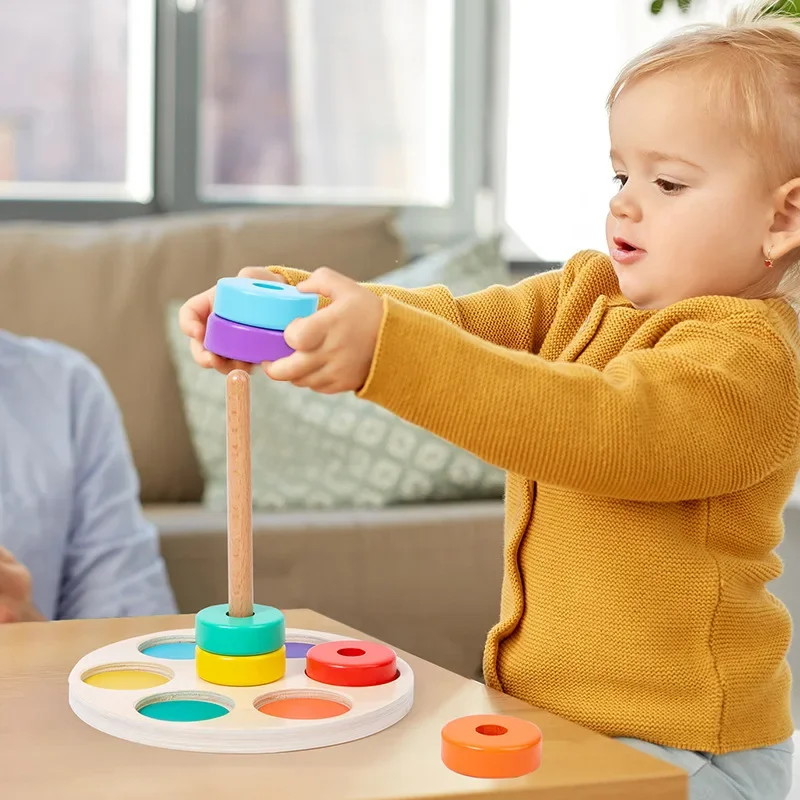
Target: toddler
(645, 406)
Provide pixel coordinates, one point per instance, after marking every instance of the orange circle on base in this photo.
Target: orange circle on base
(491, 746)
(351, 663)
(303, 708)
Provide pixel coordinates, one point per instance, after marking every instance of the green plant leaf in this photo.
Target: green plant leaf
(785, 6)
(791, 7)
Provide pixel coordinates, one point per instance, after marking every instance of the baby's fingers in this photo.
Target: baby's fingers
(261, 273)
(294, 367)
(209, 360)
(200, 354)
(226, 365)
(194, 313)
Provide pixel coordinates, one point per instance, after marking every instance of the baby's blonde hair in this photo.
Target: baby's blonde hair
(751, 68)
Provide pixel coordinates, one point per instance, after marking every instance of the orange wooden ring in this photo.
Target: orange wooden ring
(491, 746)
(351, 663)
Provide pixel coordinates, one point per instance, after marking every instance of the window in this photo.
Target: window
(120, 107)
(463, 114)
(557, 176)
(9, 150)
(343, 100)
(76, 99)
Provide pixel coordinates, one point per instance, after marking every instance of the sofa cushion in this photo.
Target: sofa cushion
(336, 451)
(103, 289)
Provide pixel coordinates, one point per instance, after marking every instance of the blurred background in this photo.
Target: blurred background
(468, 115)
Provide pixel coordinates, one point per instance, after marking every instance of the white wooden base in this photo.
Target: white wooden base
(244, 729)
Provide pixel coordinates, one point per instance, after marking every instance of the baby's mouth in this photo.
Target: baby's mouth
(626, 252)
(626, 246)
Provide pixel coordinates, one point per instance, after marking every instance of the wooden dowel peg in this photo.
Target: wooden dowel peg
(240, 497)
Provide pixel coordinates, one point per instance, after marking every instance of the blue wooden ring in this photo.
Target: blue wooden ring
(216, 632)
(262, 304)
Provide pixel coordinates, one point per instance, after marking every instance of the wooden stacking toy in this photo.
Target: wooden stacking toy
(250, 316)
(239, 681)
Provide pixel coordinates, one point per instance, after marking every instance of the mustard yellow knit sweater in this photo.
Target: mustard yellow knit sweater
(649, 455)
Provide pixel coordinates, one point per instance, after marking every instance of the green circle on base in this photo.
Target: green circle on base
(218, 633)
(183, 710)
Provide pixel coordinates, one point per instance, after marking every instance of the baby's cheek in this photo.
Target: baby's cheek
(610, 224)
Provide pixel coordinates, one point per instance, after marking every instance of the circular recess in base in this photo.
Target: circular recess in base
(127, 676)
(297, 649)
(185, 706)
(171, 648)
(303, 705)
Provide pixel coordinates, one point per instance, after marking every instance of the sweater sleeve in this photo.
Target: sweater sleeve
(517, 317)
(711, 409)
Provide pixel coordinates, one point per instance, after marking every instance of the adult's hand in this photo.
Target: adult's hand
(16, 604)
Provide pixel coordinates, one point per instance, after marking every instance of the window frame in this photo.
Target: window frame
(522, 259)
(176, 134)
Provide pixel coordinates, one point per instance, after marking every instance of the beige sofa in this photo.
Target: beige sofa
(425, 578)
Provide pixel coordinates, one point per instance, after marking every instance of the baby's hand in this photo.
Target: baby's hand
(335, 345)
(194, 314)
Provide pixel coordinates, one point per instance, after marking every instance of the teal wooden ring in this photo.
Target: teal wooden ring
(262, 304)
(216, 632)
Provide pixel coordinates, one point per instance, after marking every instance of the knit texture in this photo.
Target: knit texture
(649, 455)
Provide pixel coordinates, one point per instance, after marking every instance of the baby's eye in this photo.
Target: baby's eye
(669, 187)
(620, 179)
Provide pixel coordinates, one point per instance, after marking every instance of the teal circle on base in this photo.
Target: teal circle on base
(183, 710)
(218, 633)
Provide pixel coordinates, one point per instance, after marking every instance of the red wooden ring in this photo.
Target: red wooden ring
(351, 663)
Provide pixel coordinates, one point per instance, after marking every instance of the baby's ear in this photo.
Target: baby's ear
(785, 232)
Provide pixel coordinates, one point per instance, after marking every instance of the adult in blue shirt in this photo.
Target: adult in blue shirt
(73, 539)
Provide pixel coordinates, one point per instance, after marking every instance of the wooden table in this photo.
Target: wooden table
(47, 752)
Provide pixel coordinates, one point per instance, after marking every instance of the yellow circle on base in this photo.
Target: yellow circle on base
(241, 670)
(126, 679)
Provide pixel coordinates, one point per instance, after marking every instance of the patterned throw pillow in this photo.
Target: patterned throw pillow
(336, 451)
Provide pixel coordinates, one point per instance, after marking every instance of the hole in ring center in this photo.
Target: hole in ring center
(268, 286)
(351, 652)
(491, 730)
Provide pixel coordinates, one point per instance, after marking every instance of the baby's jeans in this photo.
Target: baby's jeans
(761, 774)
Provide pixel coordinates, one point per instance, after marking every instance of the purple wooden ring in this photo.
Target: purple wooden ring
(243, 342)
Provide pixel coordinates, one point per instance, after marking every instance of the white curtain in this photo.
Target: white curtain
(371, 97)
(564, 58)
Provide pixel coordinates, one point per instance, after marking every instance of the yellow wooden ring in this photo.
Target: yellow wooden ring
(240, 670)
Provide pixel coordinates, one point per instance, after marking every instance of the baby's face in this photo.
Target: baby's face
(693, 208)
